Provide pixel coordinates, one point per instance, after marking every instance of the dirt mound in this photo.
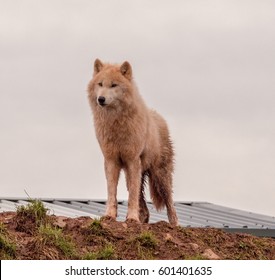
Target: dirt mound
(86, 238)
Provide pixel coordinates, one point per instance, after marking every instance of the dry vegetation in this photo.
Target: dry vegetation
(29, 233)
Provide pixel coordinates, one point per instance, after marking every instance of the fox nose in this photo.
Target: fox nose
(101, 100)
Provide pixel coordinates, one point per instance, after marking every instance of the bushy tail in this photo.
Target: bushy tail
(160, 175)
(160, 172)
(143, 209)
(160, 183)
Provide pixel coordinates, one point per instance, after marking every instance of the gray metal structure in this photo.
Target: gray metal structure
(190, 214)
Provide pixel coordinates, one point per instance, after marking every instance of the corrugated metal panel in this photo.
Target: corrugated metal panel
(218, 216)
(190, 214)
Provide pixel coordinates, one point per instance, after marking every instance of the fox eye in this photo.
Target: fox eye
(113, 85)
(100, 84)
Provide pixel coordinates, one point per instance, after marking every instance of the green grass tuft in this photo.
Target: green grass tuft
(106, 253)
(195, 257)
(147, 239)
(144, 244)
(7, 247)
(34, 210)
(49, 235)
(96, 228)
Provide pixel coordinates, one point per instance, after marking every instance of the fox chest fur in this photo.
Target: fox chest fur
(116, 134)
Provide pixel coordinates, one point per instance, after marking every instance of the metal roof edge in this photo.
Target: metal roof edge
(254, 231)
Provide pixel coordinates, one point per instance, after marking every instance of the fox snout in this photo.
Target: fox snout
(101, 100)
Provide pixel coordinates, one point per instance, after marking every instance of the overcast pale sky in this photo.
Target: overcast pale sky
(207, 66)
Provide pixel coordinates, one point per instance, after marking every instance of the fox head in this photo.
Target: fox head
(111, 84)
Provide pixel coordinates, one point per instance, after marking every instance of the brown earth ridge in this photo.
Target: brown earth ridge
(32, 234)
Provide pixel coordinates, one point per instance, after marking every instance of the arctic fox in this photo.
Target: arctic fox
(133, 138)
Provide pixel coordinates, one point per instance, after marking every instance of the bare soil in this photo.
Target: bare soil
(85, 238)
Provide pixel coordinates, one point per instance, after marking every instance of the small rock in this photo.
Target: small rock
(209, 254)
(124, 225)
(168, 237)
(194, 246)
(60, 222)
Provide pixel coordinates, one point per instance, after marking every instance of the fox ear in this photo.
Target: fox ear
(98, 65)
(126, 70)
